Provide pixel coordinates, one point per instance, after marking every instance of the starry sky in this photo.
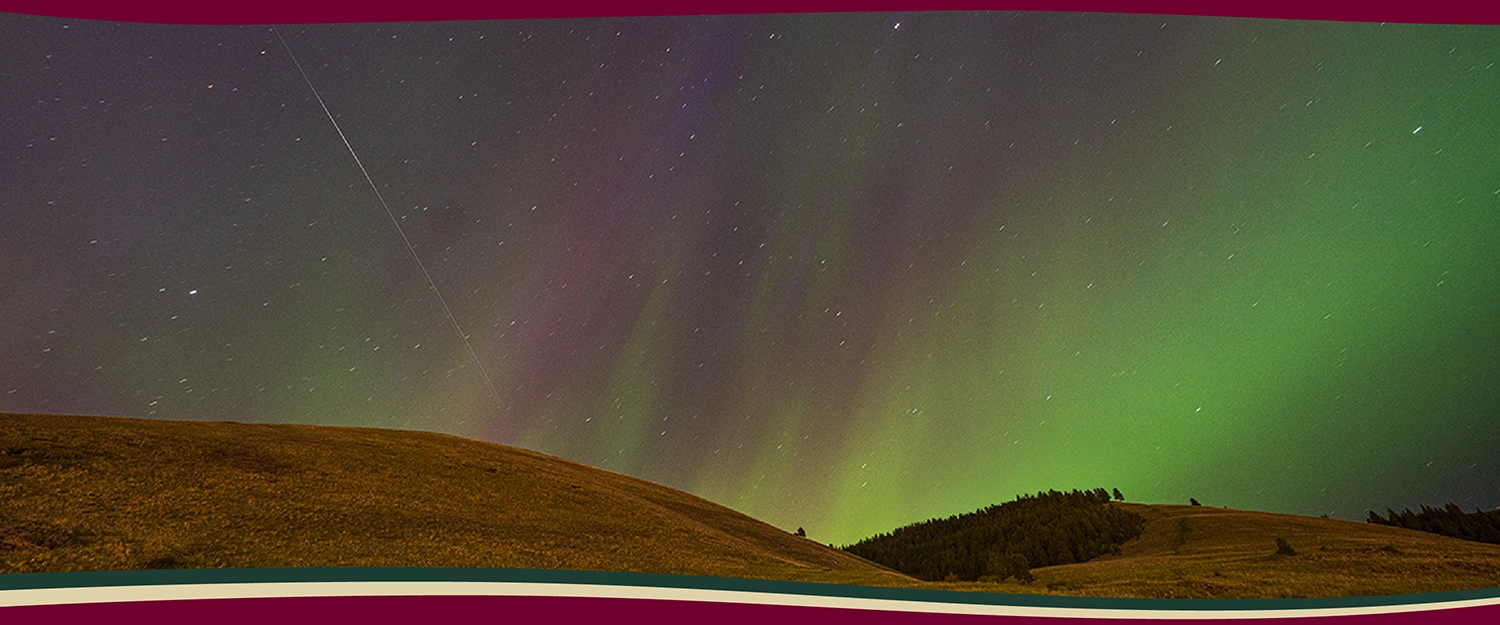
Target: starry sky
(843, 272)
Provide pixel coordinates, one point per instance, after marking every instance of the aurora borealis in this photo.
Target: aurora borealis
(842, 272)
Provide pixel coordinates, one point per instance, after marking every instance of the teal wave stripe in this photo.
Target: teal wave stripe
(103, 579)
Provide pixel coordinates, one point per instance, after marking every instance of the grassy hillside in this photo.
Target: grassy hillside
(1203, 552)
(97, 493)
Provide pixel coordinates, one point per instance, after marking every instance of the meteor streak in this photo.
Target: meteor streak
(394, 222)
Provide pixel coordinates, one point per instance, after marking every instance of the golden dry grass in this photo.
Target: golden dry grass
(99, 493)
(1217, 553)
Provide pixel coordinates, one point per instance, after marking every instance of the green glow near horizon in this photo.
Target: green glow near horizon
(830, 273)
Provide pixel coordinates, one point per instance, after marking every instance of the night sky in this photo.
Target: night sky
(842, 272)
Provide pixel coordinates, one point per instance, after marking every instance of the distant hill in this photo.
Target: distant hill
(100, 493)
(1218, 553)
(1006, 540)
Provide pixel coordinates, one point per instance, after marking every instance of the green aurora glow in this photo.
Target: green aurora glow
(830, 272)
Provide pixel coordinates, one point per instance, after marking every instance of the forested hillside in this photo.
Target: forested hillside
(1450, 520)
(1006, 540)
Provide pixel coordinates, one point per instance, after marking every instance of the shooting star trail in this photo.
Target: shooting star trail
(394, 222)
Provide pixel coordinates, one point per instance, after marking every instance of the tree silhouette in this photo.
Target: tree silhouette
(1194, 501)
(1118, 496)
(801, 532)
(1450, 520)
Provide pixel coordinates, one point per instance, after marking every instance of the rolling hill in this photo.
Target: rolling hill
(102, 493)
(1218, 553)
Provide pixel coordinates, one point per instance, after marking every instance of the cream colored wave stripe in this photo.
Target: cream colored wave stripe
(268, 590)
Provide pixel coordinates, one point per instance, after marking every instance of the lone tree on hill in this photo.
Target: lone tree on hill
(801, 532)
(1194, 501)
(1118, 496)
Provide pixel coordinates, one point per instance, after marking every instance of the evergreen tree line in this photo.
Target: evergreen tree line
(1006, 540)
(1450, 520)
